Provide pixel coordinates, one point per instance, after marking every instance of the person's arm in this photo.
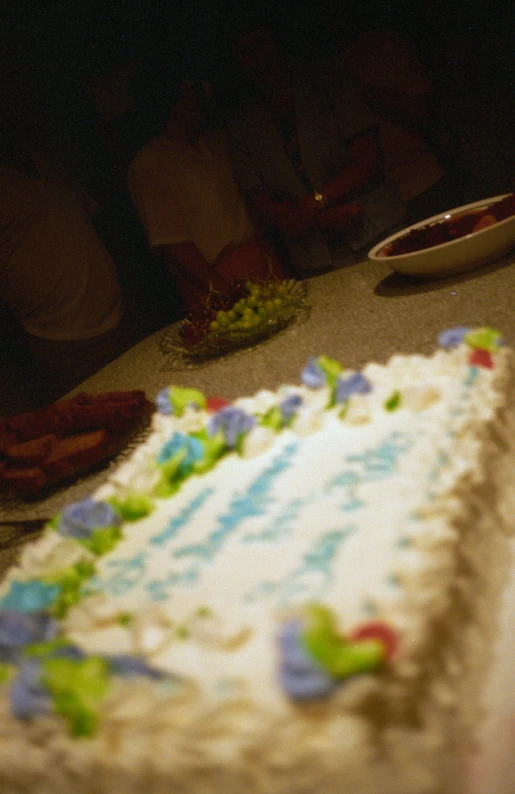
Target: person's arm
(292, 218)
(185, 261)
(365, 164)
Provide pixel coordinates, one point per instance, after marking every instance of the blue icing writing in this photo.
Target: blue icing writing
(128, 573)
(254, 501)
(160, 590)
(472, 376)
(313, 576)
(382, 461)
(280, 526)
(179, 521)
(350, 481)
(372, 465)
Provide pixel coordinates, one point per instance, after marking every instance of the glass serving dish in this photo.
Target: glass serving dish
(270, 315)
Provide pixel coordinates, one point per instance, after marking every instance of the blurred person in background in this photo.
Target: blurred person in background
(399, 92)
(58, 282)
(183, 186)
(308, 157)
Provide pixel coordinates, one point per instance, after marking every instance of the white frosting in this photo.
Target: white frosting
(384, 515)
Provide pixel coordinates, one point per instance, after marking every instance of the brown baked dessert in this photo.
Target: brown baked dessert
(44, 448)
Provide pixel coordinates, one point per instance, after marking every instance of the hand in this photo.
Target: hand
(339, 219)
(294, 218)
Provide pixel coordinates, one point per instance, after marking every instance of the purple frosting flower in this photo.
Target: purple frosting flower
(452, 337)
(67, 652)
(78, 520)
(357, 383)
(192, 447)
(28, 697)
(289, 406)
(299, 675)
(233, 422)
(313, 376)
(18, 629)
(163, 403)
(126, 665)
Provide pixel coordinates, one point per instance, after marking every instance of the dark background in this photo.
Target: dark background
(54, 55)
(52, 49)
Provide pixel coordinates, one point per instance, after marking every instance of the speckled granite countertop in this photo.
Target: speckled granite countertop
(358, 314)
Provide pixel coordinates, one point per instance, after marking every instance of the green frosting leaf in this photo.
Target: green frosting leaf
(180, 398)
(393, 402)
(102, 540)
(214, 448)
(332, 368)
(77, 689)
(484, 338)
(336, 655)
(273, 419)
(42, 649)
(7, 672)
(132, 506)
(170, 479)
(70, 582)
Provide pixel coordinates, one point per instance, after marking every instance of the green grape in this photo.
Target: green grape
(213, 325)
(222, 319)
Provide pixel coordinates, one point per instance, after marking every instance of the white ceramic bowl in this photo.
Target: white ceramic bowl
(455, 256)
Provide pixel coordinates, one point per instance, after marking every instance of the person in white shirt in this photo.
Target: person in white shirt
(57, 279)
(184, 189)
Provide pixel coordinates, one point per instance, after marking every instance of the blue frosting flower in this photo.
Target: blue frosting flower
(313, 376)
(300, 676)
(125, 665)
(18, 629)
(357, 383)
(80, 519)
(31, 596)
(163, 403)
(192, 449)
(289, 406)
(233, 422)
(452, 337)
(28, 697)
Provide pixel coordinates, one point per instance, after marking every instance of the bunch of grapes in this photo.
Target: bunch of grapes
(248, 305)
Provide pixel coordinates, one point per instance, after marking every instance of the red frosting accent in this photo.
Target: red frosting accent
(215, 404)
(376, 630)
(481, 358)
